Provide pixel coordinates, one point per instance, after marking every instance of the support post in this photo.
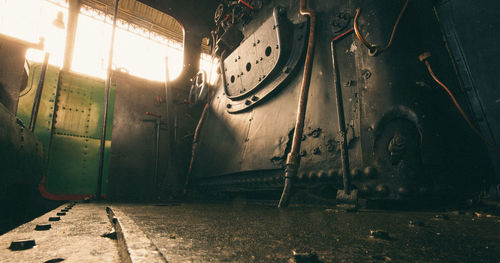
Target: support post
(74, 11)
(38, 94)
(106, 100)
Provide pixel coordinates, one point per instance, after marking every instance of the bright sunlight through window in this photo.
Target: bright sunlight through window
(137, 51)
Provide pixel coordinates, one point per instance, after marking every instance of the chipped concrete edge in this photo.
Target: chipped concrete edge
(134, 246)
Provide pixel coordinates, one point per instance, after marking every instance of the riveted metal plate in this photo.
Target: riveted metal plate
(254, 60)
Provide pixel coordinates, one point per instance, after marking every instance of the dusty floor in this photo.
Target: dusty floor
(238, 232)
(245, 233)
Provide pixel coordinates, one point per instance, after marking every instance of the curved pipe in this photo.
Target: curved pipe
(424, 58)
(374, 49)
(293, 160)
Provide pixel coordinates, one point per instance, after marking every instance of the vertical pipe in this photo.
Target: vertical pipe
(168, 114)
(38, 94)
(293, 159)
(74, 10)
(106, 100)
(341, 122)
(157, 148)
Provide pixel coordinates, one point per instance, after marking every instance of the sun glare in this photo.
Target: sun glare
(136, 51)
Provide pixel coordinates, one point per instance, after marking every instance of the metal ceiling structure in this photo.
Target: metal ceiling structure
(144, 16)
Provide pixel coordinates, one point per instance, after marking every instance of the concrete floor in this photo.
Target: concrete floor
(238, 232)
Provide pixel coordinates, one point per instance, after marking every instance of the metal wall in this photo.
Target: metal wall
(133, 149)
(467, 27)
(68, 125)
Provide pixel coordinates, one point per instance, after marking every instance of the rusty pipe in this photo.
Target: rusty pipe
(293, 159)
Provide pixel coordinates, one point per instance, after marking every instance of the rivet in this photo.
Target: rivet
(403, 191)
(322, 175)
(381, 189)
(355, 173)
(370, 172)
(302, 176)
(332, 173)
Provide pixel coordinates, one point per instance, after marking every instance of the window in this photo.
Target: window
(31, 20)
(137, 50)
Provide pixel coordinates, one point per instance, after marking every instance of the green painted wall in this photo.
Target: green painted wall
(69, 125)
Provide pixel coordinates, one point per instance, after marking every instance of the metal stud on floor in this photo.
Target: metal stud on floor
(42, 227)
(22, 244)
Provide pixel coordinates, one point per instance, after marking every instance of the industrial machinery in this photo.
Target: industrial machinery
(341, 95)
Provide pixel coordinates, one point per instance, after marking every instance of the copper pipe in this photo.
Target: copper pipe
(293, 159)
(194, 149)
(374, 49)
